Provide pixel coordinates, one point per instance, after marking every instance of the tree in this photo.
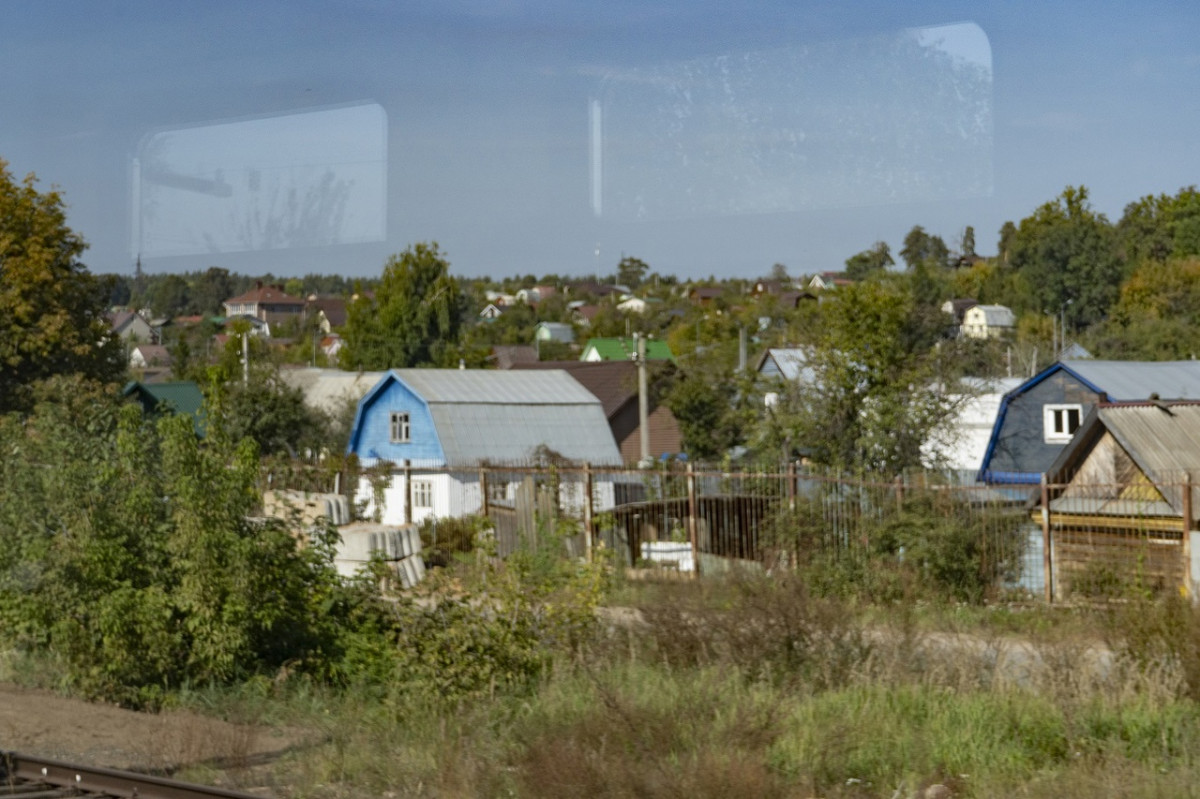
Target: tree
(1008, 234)
(51, 308)
(1158, 314)
(869, 262)
(1156, 228)
(1066, 253)
(874, 399)
(968, 242)
(920, 248)
(414, 318)
(169, 297)
(631, 271)
(209, 291)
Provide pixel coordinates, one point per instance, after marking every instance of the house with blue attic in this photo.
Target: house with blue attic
(442, 437)
(1039, 418)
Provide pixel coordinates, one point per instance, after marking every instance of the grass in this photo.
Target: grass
(755, 687)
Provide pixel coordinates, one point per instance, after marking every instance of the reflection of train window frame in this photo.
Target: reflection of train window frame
(310, 178)
(784, 130)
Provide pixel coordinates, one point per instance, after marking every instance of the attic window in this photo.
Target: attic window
(1061, 422)
(399, 428)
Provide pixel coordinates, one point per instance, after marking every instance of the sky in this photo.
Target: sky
(556, 137)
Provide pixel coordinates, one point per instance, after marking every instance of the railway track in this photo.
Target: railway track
(26, 777)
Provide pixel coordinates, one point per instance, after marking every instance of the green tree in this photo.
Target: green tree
(169, 296)
(869, 262)
(51, 308)
(631, 271)
(413, 319)
(1004, 245)
(209, 291)
(707, 408)
(1158, 314)
(1157, 228)
(131, 560)
(920, 248)
(968, 242)
(1066, 253)
(874, 396)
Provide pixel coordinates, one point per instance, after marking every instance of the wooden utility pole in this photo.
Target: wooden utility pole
(643, 401)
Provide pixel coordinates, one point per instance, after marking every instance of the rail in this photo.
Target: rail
(26, 776)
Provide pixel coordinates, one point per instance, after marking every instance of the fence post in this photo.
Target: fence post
(791, 486)
(484, 499)
(1186, 541)
(691, 495)
(589, 528)
(1047, 564)
(408, 491)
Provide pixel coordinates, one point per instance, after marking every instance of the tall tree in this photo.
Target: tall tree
(1156, 228)
(414, 317)
(210, 290)
(631, 271)
(875, 397)
(968, 242)
(1066, 252)
(869, 262)
(51, 308)
(922, 248)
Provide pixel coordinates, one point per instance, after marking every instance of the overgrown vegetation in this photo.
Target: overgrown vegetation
(134, 576)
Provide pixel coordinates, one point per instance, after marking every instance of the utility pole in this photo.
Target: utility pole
(246, 358)
(643, 400)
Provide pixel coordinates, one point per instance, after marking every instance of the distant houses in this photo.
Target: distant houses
(269, 304)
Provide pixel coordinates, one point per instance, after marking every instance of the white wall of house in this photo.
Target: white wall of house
(458, 494)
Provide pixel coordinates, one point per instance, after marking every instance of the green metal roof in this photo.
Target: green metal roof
(182, 397)
(623, 349)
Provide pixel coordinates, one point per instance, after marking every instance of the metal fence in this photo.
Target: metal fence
(1126, 538)
(1080, 538)
(705, 519)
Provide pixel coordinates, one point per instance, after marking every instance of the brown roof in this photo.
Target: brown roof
(334, 309)
(272, 294)
(613, 382)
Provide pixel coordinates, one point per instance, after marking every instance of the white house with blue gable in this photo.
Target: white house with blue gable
(440, 426)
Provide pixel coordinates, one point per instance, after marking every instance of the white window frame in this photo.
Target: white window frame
(400, 429)
(1056, 421)
(422, 494)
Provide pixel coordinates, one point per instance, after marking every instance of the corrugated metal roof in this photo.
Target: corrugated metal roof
(329, 389)
(792, 363)
(1135, 380)
(1163, 440)
(473, 433)
(490, 387)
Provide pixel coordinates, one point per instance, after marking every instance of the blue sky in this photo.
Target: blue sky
(554, 137)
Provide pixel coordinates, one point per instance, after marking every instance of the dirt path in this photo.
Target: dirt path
(44, 724)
